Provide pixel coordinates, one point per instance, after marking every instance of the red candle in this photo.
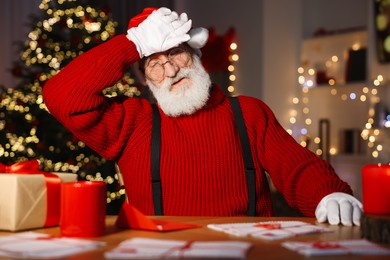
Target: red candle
(83, 209)
(376, 189)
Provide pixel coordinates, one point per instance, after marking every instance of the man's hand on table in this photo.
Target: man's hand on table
(339, 207)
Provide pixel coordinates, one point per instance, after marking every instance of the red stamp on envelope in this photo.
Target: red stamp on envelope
(269, 225)
(326, 245)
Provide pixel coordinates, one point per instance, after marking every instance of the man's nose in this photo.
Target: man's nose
(171, 69)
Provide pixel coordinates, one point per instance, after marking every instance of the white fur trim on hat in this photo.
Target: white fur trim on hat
(198, 37)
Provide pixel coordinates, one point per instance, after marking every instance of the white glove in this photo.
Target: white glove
(339, 207)
(160, 31)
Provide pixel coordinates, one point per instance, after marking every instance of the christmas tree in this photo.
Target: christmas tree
(62, 31)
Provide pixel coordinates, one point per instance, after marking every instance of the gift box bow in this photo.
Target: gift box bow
(53, 187)
(31, 166)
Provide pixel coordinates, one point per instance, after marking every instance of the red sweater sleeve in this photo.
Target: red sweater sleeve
(74, 96)
(302, 176)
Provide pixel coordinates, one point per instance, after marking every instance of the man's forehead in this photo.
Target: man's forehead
(157, 54)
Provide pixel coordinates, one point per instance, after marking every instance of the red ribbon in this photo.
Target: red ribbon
(53, 187)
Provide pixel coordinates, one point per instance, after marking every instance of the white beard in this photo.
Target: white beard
(188, 98)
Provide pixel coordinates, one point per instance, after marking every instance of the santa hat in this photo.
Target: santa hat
(198, 36)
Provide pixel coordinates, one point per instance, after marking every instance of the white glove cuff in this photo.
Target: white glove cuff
(133, 37)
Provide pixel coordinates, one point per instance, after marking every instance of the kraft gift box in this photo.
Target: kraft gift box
(24, 201)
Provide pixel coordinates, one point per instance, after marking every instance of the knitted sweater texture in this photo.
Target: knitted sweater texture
(202, 169)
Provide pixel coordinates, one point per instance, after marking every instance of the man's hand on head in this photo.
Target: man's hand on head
(160, 31)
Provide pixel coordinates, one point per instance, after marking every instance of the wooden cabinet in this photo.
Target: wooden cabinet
(333, 92)
(342, 83)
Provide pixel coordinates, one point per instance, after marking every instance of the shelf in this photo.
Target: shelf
(359, 88)
(354, 85)
(337, 38)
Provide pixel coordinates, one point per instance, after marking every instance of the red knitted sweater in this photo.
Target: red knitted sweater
(202, 170)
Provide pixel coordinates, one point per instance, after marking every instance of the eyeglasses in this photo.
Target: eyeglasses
(155, 66)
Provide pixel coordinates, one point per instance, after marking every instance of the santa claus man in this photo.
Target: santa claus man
(196, 168)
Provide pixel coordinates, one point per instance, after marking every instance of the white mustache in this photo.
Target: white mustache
(183, 73)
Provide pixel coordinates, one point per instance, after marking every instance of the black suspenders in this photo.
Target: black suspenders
(247, 154)
(155, 161)
(246, 151)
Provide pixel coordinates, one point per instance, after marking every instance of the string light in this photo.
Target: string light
(371, 131)
(233, 58)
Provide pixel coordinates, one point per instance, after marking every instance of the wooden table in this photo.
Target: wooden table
(261, 248)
